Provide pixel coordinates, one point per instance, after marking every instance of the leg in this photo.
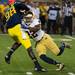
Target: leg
(48, 27)
(54, 26)
(41, 51)
(13, 32)
(64, 26)
(48, 59)
(35, 61)
(12, 50)
(61, 48)
(70, 26)
(51, 45)
(52, 61)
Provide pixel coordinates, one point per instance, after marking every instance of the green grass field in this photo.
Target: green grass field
(21, 63)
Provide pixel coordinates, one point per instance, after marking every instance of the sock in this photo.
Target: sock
(61, 49)
(37, 65)
(34, 59)
(12, 50)
(48, 60)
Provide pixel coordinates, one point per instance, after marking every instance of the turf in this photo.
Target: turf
(21, 63)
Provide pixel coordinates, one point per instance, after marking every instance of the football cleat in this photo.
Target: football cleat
(60, 67)
(40, 69)
(7, 59)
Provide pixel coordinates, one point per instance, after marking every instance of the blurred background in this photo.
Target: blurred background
(63, 11)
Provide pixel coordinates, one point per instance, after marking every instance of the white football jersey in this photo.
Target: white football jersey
(38, 34)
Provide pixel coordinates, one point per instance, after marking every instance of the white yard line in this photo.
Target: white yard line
(64, 39)
(71, 73)
(3, 34)
(70, 37)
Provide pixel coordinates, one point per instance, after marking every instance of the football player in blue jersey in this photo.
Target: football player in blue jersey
(20, 37)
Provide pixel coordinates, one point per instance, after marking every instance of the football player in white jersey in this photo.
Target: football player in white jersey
(44, 42)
